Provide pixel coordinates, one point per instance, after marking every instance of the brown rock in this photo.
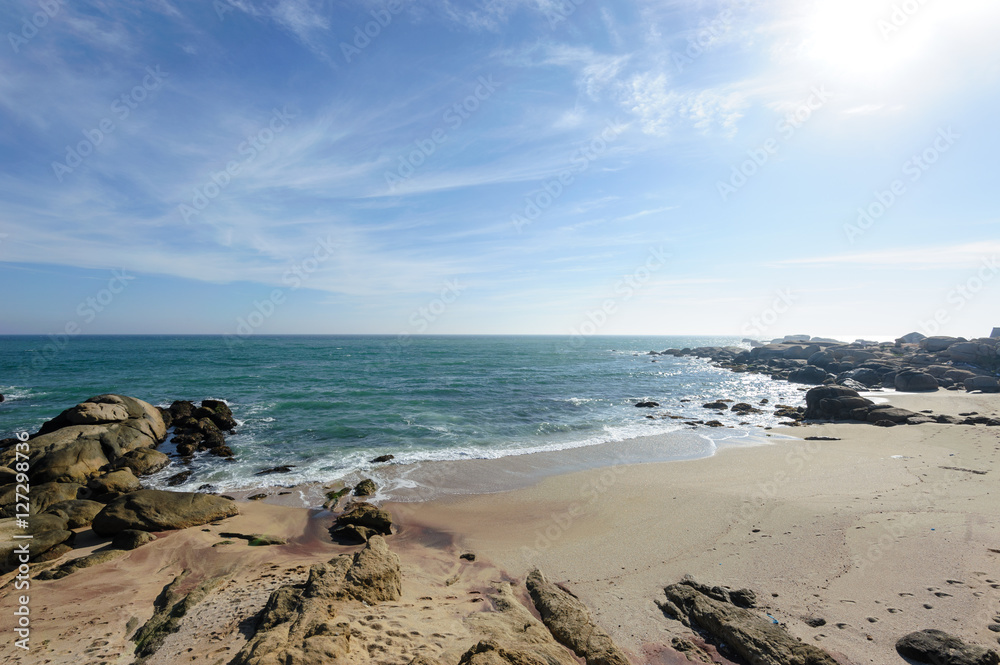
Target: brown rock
(157, 510)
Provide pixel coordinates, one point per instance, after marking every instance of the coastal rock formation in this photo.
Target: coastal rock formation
(142, 461)
(157, 510)
(754, 638)
(77, 444)
(299, 624)
(937, 647)
(810, 375)
(202, 427)
(49, 533)
(77, 512)
(569, 621)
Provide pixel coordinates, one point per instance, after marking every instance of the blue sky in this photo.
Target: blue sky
(501, 166)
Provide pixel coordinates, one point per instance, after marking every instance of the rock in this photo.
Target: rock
(118, 482)
(939, 648)
(70, 567)
(488, 652)
(647, 405)
(47, 531)
(744, 408)
(365, 488)
(964, 352)
(42, 496)
(256, 539)
(891, 414)
(756, 639)
(915, 381)
(157, 510)
(716, 405)
(366, 515)
(833, 402)
(65, 451)
(77, 512)
(939, 343)
(911, 338)
(170, 608)
(130, 539)
(468, 556)
(569, 622)
(276, 469)
(987, 384)
(958, 375)
(383, 458)
(299, 623)
(178, 478)
(714, 423)
(810, 375)
(142, 461)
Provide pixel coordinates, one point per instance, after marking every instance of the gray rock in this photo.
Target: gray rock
(939, 343)
(911, 338)
(809, 375)
(756, 639)
(915, 381)
(937, 647)
(118, 482)
(142, 461)
(986, 384)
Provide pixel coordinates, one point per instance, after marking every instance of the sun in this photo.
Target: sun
(861, 39)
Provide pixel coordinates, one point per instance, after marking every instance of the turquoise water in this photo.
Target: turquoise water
(328, 404)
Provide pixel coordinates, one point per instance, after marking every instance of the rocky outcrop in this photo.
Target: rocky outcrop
(937, 647)
(202, 427)
(157, 510)
(51, 537)
(511, 624)
(365, 488)
(299, 624)
(569, 622)
(77, 444)
(986, 384)
(753, 637)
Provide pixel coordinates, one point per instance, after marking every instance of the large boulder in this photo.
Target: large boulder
(890, 413)
(49, 533)
(157, 510)
(118, 482)
(75, 445)
(937, 647)
(915, 381)
(833, 402)
(809, 375)
(569, 621)
(939, 343)
(911, 338)
(987, 384)
(77, 512)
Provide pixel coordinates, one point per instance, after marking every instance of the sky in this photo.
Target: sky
(242, 167)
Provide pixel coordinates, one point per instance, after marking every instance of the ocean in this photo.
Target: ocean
(327, 405)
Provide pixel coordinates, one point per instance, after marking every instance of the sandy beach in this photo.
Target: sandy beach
(881, 532)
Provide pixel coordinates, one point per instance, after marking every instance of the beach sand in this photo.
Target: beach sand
(880, 533)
